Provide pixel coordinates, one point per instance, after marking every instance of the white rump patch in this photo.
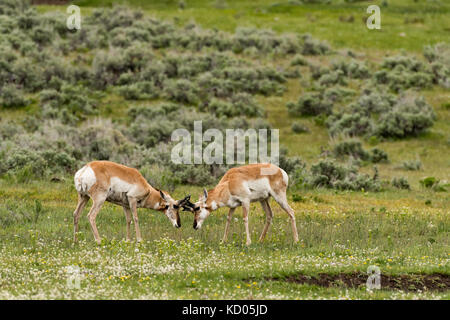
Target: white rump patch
(84, 179)
(285, 176)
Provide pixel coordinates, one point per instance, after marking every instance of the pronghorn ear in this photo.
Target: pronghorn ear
(205, 193)
(163, 196)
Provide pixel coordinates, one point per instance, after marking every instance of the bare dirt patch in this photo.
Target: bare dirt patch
(405, 282)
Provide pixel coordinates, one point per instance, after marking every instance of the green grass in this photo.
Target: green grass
(405, 24)
(398, 230)
(339, 232)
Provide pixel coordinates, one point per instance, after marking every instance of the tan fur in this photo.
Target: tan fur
(143, 195)
(234, 189)
(105, 170)
(231, 182)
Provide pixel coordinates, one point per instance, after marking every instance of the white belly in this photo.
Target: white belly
(258, 189)
(119, 187)
(233, 202)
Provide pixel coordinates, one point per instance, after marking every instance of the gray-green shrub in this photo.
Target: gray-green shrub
(331, 174)
(400, 183)
(409, 117)
(12, 97)
(411, 165)
(298, 127)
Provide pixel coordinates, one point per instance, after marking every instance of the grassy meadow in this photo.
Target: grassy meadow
(405, 232)
(341, 232)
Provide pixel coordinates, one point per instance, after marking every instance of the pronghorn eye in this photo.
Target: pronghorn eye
(166, 207)
(196, 208)
(175, 206)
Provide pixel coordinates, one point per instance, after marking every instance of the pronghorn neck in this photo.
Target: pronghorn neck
(218, 197)
(154, 200)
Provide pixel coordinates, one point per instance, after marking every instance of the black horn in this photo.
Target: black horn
(184, 200)
(188, 206)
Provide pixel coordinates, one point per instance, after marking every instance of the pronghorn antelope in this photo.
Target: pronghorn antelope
(239, 187)
(108, 181)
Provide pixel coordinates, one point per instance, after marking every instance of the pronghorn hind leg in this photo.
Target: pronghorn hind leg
(282, 201)
(92, 215)
(269, 215)
(245, 211)
(227, 226)
(82, 201)
(127, 212)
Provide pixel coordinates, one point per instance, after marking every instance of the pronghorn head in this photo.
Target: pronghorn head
(200, 209)
(171, 208)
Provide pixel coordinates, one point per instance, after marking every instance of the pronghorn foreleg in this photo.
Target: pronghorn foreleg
(269, 215)
(127, 212)
(227, 226)
(133, 207)
(245, 211)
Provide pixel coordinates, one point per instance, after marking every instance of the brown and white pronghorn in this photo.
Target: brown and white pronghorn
(239, 187)
(108, 181)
